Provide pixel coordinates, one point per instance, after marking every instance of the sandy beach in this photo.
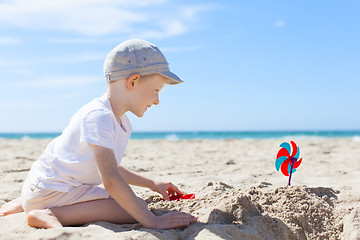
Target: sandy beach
(239, 193)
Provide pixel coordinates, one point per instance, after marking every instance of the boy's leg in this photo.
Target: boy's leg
(14, 206)
(80, 213)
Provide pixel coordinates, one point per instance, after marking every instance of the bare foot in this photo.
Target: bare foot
(14, 206)
(42, 218)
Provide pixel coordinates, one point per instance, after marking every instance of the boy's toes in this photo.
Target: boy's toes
(11, 207)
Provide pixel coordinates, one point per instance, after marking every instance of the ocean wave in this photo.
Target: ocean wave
(25, 137)
(172, 137)
(356, 138)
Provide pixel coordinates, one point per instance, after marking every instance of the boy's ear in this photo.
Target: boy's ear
(132, 81)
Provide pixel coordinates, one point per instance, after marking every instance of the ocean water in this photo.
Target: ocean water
(209, 135)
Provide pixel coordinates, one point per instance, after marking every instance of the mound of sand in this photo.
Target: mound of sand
(262, 212)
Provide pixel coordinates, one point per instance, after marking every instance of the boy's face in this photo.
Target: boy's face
(147, 93)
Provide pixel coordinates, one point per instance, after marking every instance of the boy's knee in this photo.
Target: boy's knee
(143, 202)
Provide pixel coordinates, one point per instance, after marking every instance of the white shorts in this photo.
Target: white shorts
(34, 197)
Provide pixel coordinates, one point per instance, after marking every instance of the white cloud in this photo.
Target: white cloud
(16, 105)
(179, 49)
(87, 17)
(280, 24)
(168, 29)
(75, 58)
(10, 41)
(191, 12)
(62, 59)
(58, 82)
(101, 17)
(8, 63)
(77, 40)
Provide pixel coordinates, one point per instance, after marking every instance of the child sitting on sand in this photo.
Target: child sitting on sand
(63, 186)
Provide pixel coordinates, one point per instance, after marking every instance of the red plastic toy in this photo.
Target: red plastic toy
(182, 197)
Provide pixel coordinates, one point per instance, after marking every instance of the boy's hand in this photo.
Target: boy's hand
(166, 189)
(174, 220)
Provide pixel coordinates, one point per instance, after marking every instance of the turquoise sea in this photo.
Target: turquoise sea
(209, 135)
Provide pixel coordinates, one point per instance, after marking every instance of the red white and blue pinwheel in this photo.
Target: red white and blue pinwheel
(287, 160)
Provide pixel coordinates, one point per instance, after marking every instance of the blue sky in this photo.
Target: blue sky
(247, 65)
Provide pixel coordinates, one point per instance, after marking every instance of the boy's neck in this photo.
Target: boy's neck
(118, 107)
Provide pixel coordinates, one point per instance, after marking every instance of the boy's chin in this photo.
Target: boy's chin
(141, 114)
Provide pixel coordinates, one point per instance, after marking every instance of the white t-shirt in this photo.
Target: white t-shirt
(68, 160)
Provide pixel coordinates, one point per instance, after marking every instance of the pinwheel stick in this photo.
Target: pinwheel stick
(292, 162)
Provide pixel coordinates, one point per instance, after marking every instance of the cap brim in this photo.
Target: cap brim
(173, 78)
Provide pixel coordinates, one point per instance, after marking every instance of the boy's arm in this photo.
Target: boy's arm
(136, 179)
(164, 188)
(125, 197)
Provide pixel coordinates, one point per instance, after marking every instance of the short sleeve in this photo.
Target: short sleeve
(97, 127)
